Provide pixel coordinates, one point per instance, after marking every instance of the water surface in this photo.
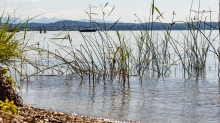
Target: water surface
(168, 99)
(152, 100)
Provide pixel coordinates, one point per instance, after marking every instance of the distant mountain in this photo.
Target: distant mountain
(52, 20)
(45, 20)
(40, 20)
(99, 21)
(12, 20)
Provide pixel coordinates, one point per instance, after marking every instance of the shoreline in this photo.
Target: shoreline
(29, 114)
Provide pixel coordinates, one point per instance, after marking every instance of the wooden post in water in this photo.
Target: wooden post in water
(219, 38)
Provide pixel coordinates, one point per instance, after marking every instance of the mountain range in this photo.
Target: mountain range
(46, 20)
(52, 20)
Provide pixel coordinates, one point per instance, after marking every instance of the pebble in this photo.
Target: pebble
(30, 114)
(1, 120)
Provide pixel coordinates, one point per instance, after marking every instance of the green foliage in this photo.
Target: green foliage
(8, 107)
(153, 7)
(9, 47)
(158, 11)
(4, 71)
(12, 46)
(10, 80)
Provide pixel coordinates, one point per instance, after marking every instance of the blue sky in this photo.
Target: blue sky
(73, 9)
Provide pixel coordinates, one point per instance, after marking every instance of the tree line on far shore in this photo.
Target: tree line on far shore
(76, 25)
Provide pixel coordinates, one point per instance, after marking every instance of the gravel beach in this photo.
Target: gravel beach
(29, 114)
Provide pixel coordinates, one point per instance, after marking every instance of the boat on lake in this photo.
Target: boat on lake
(88, 29)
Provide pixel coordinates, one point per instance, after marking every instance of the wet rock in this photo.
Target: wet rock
(7, 92)
(46, 120)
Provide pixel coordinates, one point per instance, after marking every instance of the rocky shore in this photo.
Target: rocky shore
(28, 114)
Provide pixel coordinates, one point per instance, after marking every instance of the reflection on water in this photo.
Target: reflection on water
(152, 100)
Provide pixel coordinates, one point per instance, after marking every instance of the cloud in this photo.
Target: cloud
(41, 10)
(50, 15)
(8, 1)
(25, 0)
(7, 10)
(73, 12)
(34, 0)
(108, 8)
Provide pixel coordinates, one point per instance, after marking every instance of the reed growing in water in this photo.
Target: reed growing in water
(102, 57)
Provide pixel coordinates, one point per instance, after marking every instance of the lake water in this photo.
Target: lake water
(168, 99)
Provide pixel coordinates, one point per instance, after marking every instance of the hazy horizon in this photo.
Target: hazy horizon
(125, 10)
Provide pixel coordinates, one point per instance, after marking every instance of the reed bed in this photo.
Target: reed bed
(102, 57)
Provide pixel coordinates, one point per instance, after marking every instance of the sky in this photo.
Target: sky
(124, 9)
